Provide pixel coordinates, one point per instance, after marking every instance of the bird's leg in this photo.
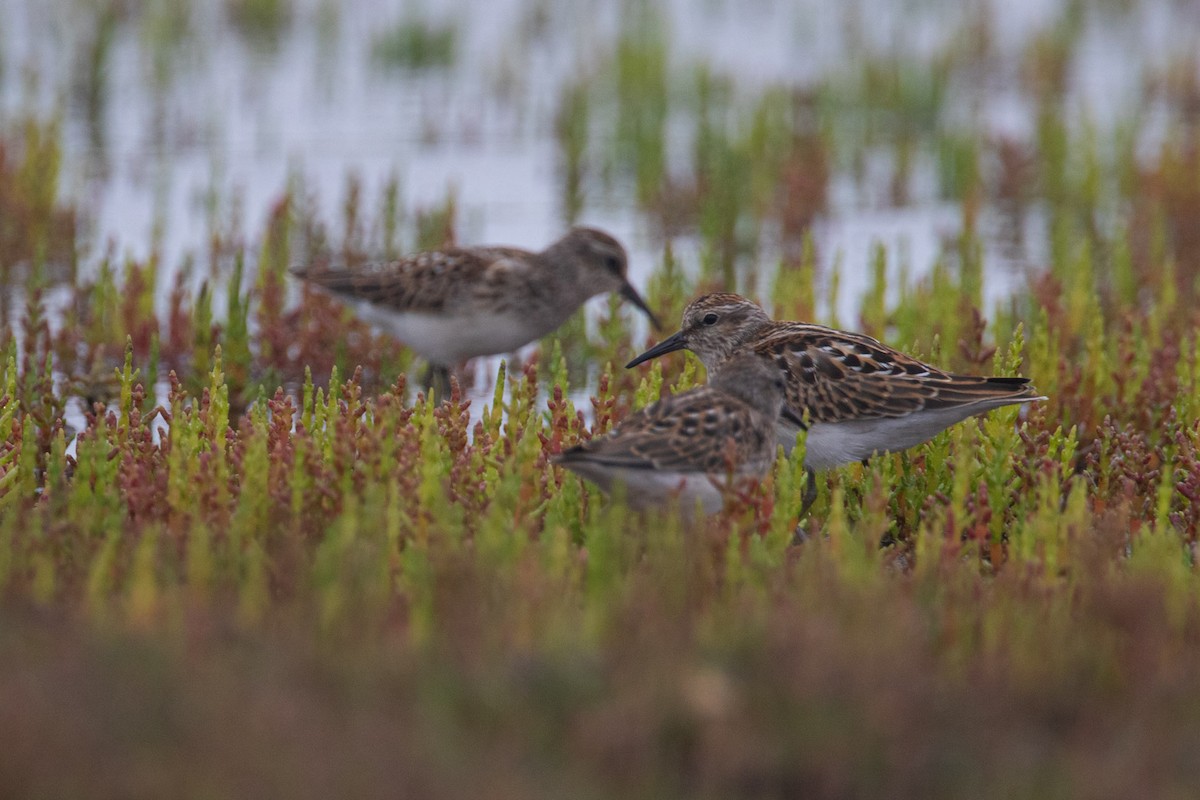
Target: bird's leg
(441, 385)
(810, 492)
(810, 497)
(436, 381)
(427, 377)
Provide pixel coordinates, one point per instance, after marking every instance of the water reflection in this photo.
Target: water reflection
(181, 118)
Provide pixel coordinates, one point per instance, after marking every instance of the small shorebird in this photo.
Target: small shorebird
(454, 304)
(859, 396)
(689, 444)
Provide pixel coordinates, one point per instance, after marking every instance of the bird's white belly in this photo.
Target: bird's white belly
(646, 488)
(688, 489)
(832, 444)
(448, 339)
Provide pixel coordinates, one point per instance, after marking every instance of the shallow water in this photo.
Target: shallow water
(183, 131)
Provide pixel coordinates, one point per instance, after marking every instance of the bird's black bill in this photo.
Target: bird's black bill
(631, 294)
(668, 345)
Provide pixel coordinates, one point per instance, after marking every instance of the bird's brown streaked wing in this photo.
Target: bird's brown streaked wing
(692, 432)
(837, 376)
(425, 282)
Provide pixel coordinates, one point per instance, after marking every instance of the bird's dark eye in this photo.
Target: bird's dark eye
(710, 319)
(613, 264)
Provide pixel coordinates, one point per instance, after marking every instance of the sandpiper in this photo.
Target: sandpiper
(457, 303)
(688, 445)
(859, 396)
